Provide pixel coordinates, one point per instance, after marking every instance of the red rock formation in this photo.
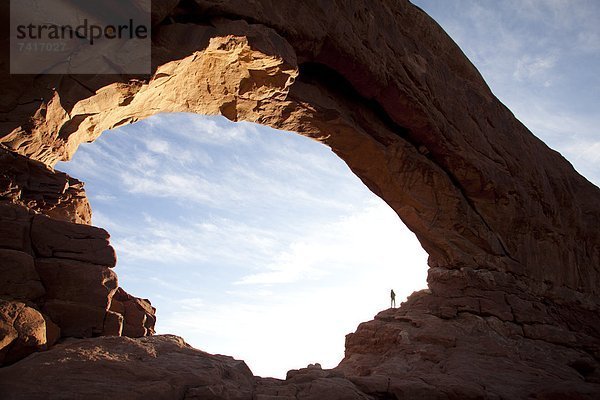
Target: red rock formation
(35, 186)
(159, 367)
(19, 276)
(22, 331)
(431, 347)
(138, 314)
(510, 227)
(55, 269)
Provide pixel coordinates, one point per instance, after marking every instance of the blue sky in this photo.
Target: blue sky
(262, 245)
(541, 58)
(251, 242)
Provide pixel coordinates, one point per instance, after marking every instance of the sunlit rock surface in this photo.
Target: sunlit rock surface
(511, 228)
(33, 185)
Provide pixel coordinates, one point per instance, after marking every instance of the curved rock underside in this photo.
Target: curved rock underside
(510, 227)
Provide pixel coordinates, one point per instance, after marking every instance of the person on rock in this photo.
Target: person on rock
(393, 299)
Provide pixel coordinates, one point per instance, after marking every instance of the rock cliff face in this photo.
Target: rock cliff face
(510, 227)
(56, 270)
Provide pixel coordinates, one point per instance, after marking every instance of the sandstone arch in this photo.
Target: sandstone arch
(510, 227)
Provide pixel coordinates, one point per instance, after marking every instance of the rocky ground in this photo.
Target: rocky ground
(403, 353)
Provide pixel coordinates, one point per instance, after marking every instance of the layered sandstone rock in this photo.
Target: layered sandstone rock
(56, 280)
(78, 295)
(138, 314)
(510, 227)
(53, 264)
(37, 187)
(434, 348)
(20, 279)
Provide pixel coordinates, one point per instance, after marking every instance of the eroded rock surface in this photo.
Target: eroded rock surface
(431, 349)
(22, 331)
(138, 314)
(511, 229)
(34, 185)
(56, 280)
(157, 367)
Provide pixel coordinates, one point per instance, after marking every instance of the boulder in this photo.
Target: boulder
(113, 324)
(78, 295)
(138, 314)
(22, 331)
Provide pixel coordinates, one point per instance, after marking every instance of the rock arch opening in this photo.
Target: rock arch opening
(509, 226)
(251, 242)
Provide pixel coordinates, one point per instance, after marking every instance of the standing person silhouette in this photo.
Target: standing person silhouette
(393, 299)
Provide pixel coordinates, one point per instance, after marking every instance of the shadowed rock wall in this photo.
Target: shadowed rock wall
(509, 225)
(56, 277)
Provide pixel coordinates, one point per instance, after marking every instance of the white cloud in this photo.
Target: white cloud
(103, 197)
(100, 219)
(158, 251)
(175, 153)
(191, 241)
(170, 285)
(586, 159)
(203, 129)
(537, 68)
(145, 163)
(588, 42)
(589, 151)
(183, 187)
(553, 10)
(158, 146)
(370, 236)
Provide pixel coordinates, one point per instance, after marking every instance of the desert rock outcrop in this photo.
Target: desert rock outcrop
(32, 184)
(510, 227)
(55, 267)
(158, 367)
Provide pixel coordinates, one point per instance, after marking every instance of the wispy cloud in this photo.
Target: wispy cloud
(588, 42)
(540, 58)
(270, 227)
(182, 187)
(537, 68)
(369, 236)
(229, 166)
(103, 197)
(189, 241)
(201, 129)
